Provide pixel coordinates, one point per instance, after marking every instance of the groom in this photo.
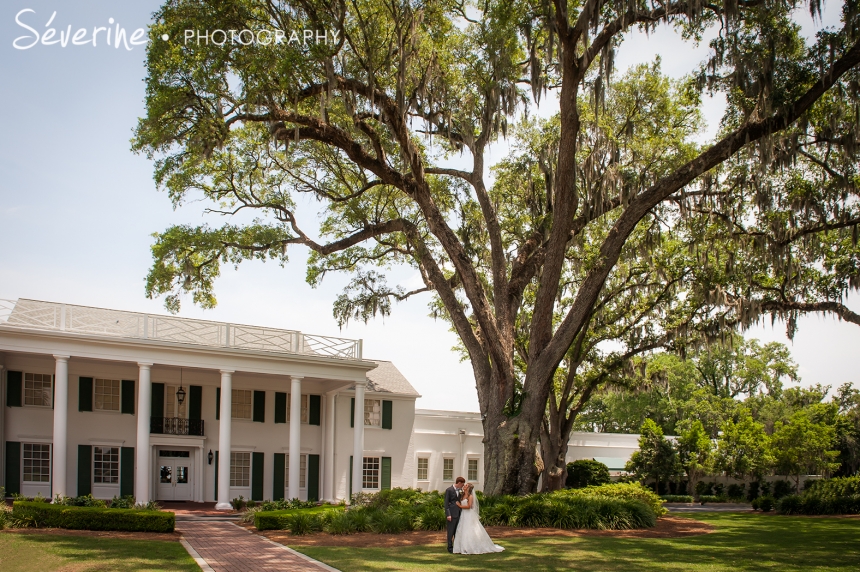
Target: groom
(452, 511)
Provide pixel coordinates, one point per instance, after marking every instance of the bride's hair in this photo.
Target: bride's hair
(469, 488)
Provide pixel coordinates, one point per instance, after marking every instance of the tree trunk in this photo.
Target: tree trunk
(553, 449)
(509, 454)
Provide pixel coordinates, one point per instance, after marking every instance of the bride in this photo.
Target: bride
(471, 538)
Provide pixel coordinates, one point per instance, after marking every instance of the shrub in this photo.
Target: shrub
(791, 504)
(782, 488)
(712, 498)
(586, 473)
(94, 518)
(85, 500)
(339, 523)
(239, 503)
(677, 498)
(719, 489)
(753, 492)
(765, 489)
(497, 513)
(302, 523)
(703, 488)
(736, 491)
(124, 502)
(828, 496)
(764, 504)
(429, 517)
(392, 521)
(250, 515)
(623, 491)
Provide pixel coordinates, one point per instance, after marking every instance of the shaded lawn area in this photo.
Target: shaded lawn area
(38, 552)
(741, 542)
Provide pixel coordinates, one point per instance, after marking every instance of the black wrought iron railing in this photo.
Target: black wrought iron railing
(175, 426)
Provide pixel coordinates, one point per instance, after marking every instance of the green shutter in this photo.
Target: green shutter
(216, 476)
(85, 394)
(195, 402)
(127, 396)
(280, 407)
(13, 467)
(386, 414)
(386, 473)
(85, 468)
(313, 477)
(157, 404)
(217, 403)
(314, 413)
(126, 471)
(278, 483)
(14, 390)
(259, 407)
(352, 411)
(350, 478)
(257, 476)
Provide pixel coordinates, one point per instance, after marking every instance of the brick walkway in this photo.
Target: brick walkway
(230, 548)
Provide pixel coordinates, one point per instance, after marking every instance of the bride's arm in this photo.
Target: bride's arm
(467, 503)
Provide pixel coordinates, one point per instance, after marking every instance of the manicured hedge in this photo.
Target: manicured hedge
(677, 498)
(94, 518)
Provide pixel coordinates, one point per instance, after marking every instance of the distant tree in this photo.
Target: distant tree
(586, 473)
(848, 430)
(656, 458)
(745, 367)
(803, 447)
(743, 448)
(695, 451)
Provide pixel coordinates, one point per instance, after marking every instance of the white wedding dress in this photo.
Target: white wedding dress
(471, 538)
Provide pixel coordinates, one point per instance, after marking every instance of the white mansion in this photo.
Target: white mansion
(115, 403)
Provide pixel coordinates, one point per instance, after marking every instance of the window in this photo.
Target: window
(303, 469)
(241, 404)
(105, 465)
(172, 406)
(447, 469)
(37, 463)
(37, 389)
(373, 412)
(240, 469)
(370, 473)
(423, 469)
(473, 470)
(107, 394)
(305, 408)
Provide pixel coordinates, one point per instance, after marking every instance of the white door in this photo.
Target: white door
(174, 475)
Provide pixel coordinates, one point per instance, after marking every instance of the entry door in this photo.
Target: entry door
(174, 476)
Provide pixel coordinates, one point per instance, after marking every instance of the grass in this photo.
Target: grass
(38, 552)
(741, 542)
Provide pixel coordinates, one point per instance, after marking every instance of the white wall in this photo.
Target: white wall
(437, 437)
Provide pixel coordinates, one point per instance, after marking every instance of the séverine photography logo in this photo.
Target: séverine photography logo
(113, 35)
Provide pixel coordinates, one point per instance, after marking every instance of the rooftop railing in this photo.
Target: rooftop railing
(38, 315)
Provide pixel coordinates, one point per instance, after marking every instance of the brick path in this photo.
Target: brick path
(229, 548)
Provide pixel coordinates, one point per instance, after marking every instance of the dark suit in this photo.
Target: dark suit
(452, 495)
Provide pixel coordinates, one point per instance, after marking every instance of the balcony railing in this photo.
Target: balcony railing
(175, 426)
(35, 314)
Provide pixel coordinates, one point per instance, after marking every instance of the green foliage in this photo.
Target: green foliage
(713, 498)
(840, 495)
(586, 473)
(656, 458)
(804, 447)
(633, 491)
(764, 504)
(781, 488)
(743, 449)
(677, 498)
(94, 518)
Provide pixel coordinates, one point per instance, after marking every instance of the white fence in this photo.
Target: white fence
(38, 315)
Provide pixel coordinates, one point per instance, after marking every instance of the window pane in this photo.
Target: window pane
(373, 412)
(240, 469)
(304, 417)
(105, 465)
(448, 469)
(423, 469)
(37, 463)
(37, 389)
(242, 403)
(473, 470)
(107, 394)
(370, 473)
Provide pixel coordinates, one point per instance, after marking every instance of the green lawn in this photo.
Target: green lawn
(37, 552)
(741, 542)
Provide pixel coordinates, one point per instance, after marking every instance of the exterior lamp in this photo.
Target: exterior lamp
(180, 393)
(211, 456)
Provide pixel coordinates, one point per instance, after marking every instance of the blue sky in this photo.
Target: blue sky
(77, 207)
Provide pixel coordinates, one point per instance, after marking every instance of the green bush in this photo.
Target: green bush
(826, 496)
(392, 521)
(703, 488)
(782, 488)
(754, 491)
(764, 504)
(94, 518)
(736, 491)
(712, 498)
(586, 473)
(677, 498)
(339, 523)
(622, 491)
(429, 517)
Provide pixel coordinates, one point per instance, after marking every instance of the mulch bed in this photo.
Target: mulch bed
(667, 527)
(174, 536)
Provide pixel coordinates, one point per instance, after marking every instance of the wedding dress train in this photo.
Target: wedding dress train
(471, 538)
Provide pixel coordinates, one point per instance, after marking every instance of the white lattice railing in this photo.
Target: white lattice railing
(35, 314)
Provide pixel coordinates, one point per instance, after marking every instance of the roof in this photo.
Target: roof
(612, 463)
(385, 378)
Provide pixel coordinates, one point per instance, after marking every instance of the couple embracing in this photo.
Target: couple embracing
(466, 534)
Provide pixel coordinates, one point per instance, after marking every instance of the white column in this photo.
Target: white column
(295, 435)
(328, 462)
(144, 408)
(61, 423)
(225, 440)
(358, 438)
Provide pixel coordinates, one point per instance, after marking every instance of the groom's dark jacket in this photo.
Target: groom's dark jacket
(452, 495)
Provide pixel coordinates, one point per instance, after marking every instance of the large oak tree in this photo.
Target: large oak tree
(364, 123)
